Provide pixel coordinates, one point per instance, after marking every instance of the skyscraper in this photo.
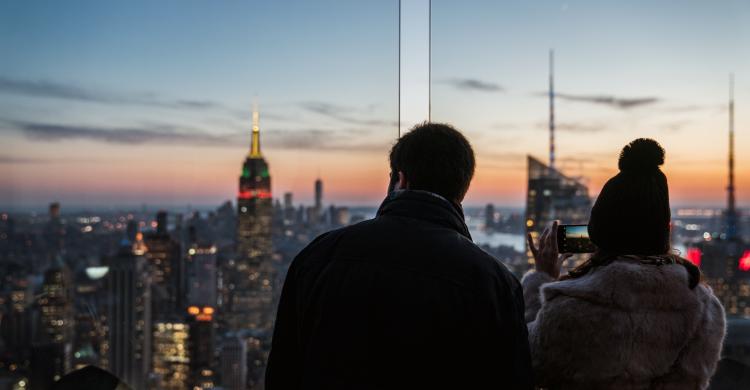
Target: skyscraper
(56, 317)
(489, 217)
(315, 213)
(318, 194)
(289, 215)
(552, 195)
(171, 357)
(201, 276)
(54, 237)
(258, 345)
(201, 347)
(90, 297)
(167, 271)
(250, 302)
(234, 362)
(288, 200)
(17, 316)
(128, 319)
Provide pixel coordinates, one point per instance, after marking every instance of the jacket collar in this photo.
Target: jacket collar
(426, 206)
(630, 283)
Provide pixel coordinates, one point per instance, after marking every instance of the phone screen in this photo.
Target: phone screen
(574, 239)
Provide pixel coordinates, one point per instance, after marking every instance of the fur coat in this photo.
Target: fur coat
(627, 325)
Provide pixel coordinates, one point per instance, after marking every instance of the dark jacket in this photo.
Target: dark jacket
(405, 300)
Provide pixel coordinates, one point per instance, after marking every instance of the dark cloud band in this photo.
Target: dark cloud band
(298, 139)
(474, 85)
(55, 90)
(612, 101)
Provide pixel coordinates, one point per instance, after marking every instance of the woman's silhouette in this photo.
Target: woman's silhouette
(633, 316)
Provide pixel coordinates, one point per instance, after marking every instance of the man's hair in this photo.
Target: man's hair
(434, 157)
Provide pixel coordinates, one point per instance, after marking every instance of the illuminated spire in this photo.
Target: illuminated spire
(255, 142)
(731, 210)
(551, 108)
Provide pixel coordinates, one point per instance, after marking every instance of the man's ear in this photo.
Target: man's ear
(402, 183)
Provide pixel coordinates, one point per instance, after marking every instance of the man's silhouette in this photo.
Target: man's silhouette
(405, 300)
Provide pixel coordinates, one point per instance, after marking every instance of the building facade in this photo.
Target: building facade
(128, 321)
(171, 357)
(164, 257)
(57, 318)
(553, 196)
(250, 277)
(233, 363)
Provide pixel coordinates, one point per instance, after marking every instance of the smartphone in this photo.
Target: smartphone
(574, 239)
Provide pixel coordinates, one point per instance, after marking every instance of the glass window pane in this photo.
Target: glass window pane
(621, 71)
(161, 165)
(414, 63)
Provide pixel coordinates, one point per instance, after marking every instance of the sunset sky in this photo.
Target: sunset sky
(150, 102)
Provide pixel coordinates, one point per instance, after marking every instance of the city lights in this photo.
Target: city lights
(163, 166)
(254, 194)
(694, 255)
(744, 263)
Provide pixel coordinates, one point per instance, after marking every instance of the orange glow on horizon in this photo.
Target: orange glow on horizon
(210, 176)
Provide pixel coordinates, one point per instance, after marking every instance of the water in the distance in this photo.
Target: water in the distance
(482, 237)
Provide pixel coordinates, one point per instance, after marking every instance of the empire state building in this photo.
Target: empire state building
(251, 299)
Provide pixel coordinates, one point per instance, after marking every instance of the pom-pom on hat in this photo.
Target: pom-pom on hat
(632, 214)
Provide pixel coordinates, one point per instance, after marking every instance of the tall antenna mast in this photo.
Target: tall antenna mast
(552, 108)
(255, 141)
(731, 208)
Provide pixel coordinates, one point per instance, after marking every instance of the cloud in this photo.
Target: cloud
(247, 115)
(48, 89)
(607, 100)
(22, 160)
(55, 90)
(713, 109)
(578, 161)
(344, 114)
(612, 101)
(196, 104)
(122, 135)
(574, 127)
(674, 126)
(504, 156)
(577, 127)
(37, 160)
(322, 139)
(505, 126)
(510, 160)
(296, 139)
(473, 85)
(687, 108)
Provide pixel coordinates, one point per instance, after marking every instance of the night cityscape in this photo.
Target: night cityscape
(174, 301)
(180, 291)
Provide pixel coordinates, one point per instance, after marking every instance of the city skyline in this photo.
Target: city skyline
(182, 183)
(151, 104)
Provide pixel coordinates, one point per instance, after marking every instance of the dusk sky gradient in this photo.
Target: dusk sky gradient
(150, 102)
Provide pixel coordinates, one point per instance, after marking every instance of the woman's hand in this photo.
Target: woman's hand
(546, 257)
